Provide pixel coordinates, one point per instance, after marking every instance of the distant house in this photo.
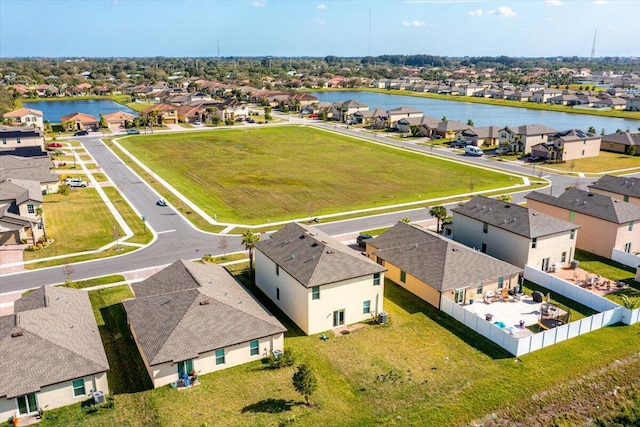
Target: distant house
(191, 113)
(14, 138)
(568, 145)
(449, 128)
(402, 113)
(541, 96)
(523, 138)
(376, 118)
(424, 124)
(118, 119)
(611, 103)
(488, 135)
(52, 354)
(38, 169)
(513, 233)
(192, 316)
(79, 121)
(606, 223)
(343, 111)
(317, 281)
(162, 113)
(625, 188)
(433, 267)
(620, 142)
(19, 202)
(633, 104)
(25, 117)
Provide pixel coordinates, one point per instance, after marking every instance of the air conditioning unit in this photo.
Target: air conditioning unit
(98, 397)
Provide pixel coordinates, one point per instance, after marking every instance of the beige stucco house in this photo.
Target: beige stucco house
(620, 142)
(522, 138)
(38, 169)
(25, 117)
(402, 113)
(79, 121)
(19, 204)
(21, 137)
(196, 317)
(317, 281)
(625, 188)
(51, 353)
(606, 223)
(433, 267)
(343, 111)
(568, 145)
(513, 233)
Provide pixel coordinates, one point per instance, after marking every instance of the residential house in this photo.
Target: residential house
(118, 119)
(163, 113)
(191, 113)
(317, 281)
(620, 142)
(522, 96)
(19, 204)
(611, 103)
(522, 138)
(625, 188)
(633, 104)
(17, 138)
(433, 267)
(513, 233)
(343, 111)
(469, 89)
(425, 125)
(564, 99)
(38, 169)
(79, 121)
(607, 223)
(487, 135)
(52, 354)
(25, 117)
(402, 113)
(376, 118)
(568, 145)
(541, 96)
(196, 317)
(449, 128)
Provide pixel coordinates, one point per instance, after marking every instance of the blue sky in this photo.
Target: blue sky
(84, 28)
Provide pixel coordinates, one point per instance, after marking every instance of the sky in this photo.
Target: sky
(290, 28)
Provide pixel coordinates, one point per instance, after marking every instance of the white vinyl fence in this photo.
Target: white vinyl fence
(625, 258)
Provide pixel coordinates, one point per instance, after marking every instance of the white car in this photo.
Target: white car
(76, 182)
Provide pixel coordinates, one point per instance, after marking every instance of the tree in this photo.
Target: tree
(440, 212)
(103, 122)
(249, 240)
(267, 114)
(406, 220)
(305, 382)
(414, 130)
(223, 244)
(444, 118)
(67, 270)
(469, 122)
(40, 214)
(505, 198)
(591, 129)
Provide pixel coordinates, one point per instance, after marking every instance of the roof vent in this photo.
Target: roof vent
(534, 213)
(507, 206)
(314, 244)
(490, 209)
(514, 219)
(590, 195)
(16, 334)
(205, 302)
(301, 237)
(331, 251)
(454, 249)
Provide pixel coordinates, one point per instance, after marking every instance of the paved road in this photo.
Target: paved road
(177, 238)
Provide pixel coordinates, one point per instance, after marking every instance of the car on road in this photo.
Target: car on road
(458, 144)
(81, 133)
(76, 182)
(250, 120)
(470, 150)
(133, 132)
(161, 202)
(362, 238)
(197, 123)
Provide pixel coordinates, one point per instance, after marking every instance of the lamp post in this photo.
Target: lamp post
(144, 220)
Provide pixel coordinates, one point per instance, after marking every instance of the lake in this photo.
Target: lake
(482, 114)
(53, 110)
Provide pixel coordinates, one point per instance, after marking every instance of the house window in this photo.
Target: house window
(534, 243)
(254, 348)
(627, 247)
(625, 198)
(500, 282)
(563, 258)
(485, 227)
(220, 357)
(572, 216)
(278, 293)
(31, 209)
(315, 292)
(277, 270)
(403, 276)
(4, 141)
(78, 387)
(380, 261)
(376, 279)
(572, 234)
(583, 152)
(630, 225)
(479, 288)
(18, 140)
(484, 248)
(366, 307)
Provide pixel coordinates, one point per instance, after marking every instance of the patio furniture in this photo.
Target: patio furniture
(505, 294)
(488, 317)
(537, 296)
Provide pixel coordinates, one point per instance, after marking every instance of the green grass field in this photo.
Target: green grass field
(281, 173)
(605, 162)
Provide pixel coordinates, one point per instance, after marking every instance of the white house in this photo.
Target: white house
(25, 117)
(317, 281)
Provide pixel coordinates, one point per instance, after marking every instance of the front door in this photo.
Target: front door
(459, 296)
(338, 318)
(27, 404)
(184, 367)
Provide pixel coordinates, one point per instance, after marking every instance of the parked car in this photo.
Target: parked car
(53, 145)
(161, 202)
(458, 144)
(197, 122)
(533, 159)
(470, 150)
(362, 238)
(76, 182)
(81, 133)
(133, 132)
(502, 150)
(250, 120)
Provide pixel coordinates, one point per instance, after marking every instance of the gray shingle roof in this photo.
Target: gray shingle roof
(440, 262)
(403, 110)
(60, 341)
(591, 204)
(572, 135)
(513, 218)
(625, 138)
(533, 129)
(28, 168)
(20, 190)
(314, 258)
(623, 185)
(187, 309)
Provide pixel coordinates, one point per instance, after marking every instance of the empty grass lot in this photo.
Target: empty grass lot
(280, 173)
(605, 162)
(423, 368)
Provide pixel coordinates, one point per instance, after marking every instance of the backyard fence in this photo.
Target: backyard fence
(625, 258)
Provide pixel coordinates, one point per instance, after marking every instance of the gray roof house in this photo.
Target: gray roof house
(513, 233)
(189, 313)
(31, 169)
(51, 352)
(317, 281)
(625, 188)
(434, 267)
(619, 142)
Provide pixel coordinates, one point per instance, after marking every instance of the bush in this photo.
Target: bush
(65, 190)
(283, 360)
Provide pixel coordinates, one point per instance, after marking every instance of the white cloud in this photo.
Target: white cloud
(553, 2)
(477, 12)
(600, 2)
(321, 6)
(259, 3)
(413, 23)
(504, 11)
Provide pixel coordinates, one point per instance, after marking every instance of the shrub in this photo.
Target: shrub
(65, 190)
(283, 360)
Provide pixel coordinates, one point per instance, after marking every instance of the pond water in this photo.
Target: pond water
(53, 110)
(482, 114)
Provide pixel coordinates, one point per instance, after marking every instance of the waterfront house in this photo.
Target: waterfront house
(25, 117)
(625, 188)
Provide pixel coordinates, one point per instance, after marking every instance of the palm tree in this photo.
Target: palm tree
(440, 212)
(249, 240)
(40, 214)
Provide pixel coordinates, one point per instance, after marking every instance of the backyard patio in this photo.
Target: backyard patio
(589, 281)
(513, 315)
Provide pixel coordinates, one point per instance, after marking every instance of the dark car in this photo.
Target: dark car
(458, 144)
(361, 239)
(161, 202)
(533, 159)
(250, 120)
(81, 133)
(133, 132)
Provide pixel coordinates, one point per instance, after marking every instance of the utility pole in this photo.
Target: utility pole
(593, 47)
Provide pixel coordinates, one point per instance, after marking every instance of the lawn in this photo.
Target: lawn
(422, 368)
(281, 173)
(613, 271)
(605, 162)
(140, 232)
